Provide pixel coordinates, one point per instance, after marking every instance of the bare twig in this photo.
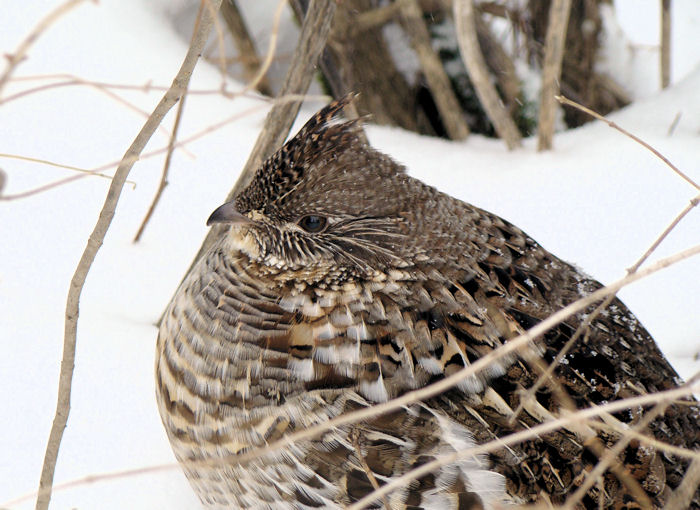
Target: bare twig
(674, 123)
(474, 61)
(611, 456)
(518, 437)
(607, 460)
(42, 188)
(20, 53)
(269, 55)
(683, 495)
(60, 165)
(645, 439)
(71, 80)
(56, 184)
(95, 241)
(500, 63)
(665, 43)
(551, 70)
(545, 375)
(569, 102)
(566, 403)
(166, 168)
(438, 81)
(180, 143)
(250, 60)
(376, 17)
(221, 45)
(693, 203)
(100, 87)
(312, 40)
(365, 467)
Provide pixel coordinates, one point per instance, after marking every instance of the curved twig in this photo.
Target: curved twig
(97, 236)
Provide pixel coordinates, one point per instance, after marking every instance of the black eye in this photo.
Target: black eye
(312, 223)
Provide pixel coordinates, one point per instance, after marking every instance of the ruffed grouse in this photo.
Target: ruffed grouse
(343, 282)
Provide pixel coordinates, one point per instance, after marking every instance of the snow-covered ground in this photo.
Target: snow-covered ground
(598, 200)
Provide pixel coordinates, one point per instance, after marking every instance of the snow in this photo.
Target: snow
(598, 200)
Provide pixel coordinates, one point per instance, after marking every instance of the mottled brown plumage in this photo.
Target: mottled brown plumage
(343, 282)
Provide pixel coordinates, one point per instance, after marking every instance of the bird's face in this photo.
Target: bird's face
(326, 208)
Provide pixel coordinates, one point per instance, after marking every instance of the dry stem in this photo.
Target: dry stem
(569, 102)
(544, 376)
(551, 71)
(518, 437)
(435, 75)
(665, 43)
(474, 62)
(245, 44)
(95, 241)
(683, 495)
(269, 55)
(611, 455)
(15, 58)
(60, 165)
(166, 168)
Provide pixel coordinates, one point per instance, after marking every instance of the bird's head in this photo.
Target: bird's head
(325, 208)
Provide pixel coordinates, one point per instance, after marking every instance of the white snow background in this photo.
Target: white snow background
(598, 200)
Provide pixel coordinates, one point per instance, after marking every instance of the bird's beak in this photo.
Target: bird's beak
(227, 213)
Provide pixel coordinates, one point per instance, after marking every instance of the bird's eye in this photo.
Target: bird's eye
(312, 223)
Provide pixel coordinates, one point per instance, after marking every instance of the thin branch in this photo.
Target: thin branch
(500, 63)
(59, 165)
(166, 167)
(312, 40)
(438, 82)
(377, 17)
(567, 404)
(95, 241)
(245, 44)
(100, 87)
(674, 124)
(518, 437)
(693, 203)
(665, 43)
(648, 440)
(42, 188)
(569, 102)
(551, 70)
(365, 467)
(269, 55)
(545, 375)
(71, 80)
(611, 456)
(465, 26)
(683, 495)
(181, 143)
(221, 54)
(20, 53)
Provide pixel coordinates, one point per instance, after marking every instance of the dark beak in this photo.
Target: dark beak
(227, 213)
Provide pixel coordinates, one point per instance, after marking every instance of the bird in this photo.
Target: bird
(339, 283)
